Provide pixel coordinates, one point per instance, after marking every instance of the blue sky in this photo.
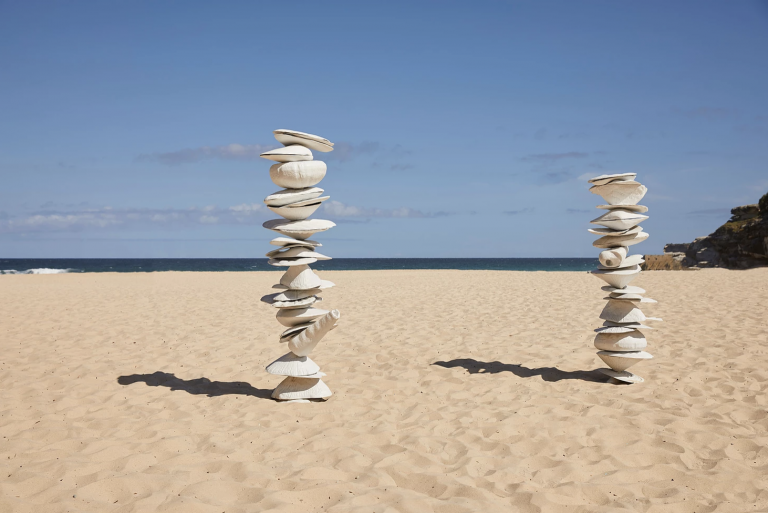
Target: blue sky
(463, 129)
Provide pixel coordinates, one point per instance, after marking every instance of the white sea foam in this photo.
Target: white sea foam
(39, 271)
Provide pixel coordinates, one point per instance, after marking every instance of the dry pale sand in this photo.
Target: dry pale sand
(454, 391)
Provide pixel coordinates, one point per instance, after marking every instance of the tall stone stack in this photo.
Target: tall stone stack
(299, 287)
(620, 342)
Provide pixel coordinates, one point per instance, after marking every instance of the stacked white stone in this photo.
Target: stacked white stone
(620, 342)
(299, 286)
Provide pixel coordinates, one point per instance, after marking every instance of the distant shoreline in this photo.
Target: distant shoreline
(128, 265)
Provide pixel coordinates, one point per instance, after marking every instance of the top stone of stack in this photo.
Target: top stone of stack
(313, 142)
(618, 190)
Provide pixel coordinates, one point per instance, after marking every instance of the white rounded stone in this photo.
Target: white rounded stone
(619, 219)
(622, 361)
(616, 310)
(612, 258)
(298, 175)
(293, 365)
(303, 343)
(300, 210)
(634, 208)
(632, 341)
(313, 142)
(620, 193)
(292, 196)
(300, 277)
(294, 317)
(622, 240)
(299, 229)
(293, 153)
(301, 388)
(618, 278)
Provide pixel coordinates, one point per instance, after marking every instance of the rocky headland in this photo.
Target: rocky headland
(741, 243)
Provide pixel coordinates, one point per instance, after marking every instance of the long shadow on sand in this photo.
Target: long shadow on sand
(200, 386)
(546, 373)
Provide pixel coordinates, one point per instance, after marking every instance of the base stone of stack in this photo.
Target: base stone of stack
(625, 376)
(301, 388)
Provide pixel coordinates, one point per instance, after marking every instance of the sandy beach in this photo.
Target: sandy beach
(455, 391)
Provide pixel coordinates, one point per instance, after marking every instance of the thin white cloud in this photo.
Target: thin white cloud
(190, 155)
(340, 210)
(103, 218)
(107, 217)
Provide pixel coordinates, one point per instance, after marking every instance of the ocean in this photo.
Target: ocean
(145, 265)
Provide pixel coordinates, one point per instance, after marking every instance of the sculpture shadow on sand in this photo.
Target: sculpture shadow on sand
(547, 373)
(199, 386)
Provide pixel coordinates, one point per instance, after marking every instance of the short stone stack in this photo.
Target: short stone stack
(620, 342)
(299, 286)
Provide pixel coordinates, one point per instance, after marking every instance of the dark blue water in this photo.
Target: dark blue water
(145, 265)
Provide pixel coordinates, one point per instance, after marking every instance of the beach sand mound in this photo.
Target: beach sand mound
(454, 391)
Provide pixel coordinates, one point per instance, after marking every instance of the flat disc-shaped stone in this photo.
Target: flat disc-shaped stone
(622, 240)
(632, 325)
(614, 329)
(292, 196)
(615, 233)
(311, 141)
(294, 317)
(288, 241)
(299, 229)
(624, 376)
(288, 262)
(620, 219)
(297, 212)
(295, 330)
(289, 295)
(610, 178)
(292, 153)
(324, 284)
(634, 208)
(629, 289)
(637, 298)
(299, 303)
(296, 252)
